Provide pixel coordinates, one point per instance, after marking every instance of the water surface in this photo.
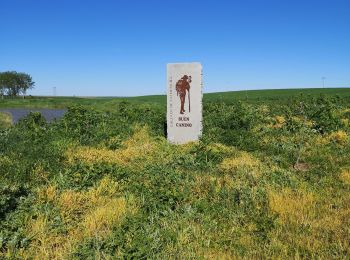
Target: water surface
(48, 114)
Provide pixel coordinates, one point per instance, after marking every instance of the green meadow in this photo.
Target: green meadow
(269, 178)
(250, 96)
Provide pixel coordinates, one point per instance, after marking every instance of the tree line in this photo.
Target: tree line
(14, 83)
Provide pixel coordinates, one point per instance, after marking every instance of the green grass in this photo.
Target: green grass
(5, 120)
(254, 96)
(51, 102)
(269, 179)
(275, 94)
(251, 96)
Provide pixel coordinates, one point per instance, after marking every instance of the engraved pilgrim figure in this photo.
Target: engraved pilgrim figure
(184, 102)
(183, 85)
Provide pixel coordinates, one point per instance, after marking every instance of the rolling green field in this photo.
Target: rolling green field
(250, 96)
(269, 178)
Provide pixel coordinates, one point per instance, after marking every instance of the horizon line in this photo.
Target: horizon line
(240, 90)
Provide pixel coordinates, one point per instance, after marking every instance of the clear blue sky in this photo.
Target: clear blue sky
(121, 47)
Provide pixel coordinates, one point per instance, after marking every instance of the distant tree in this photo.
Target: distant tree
(14, 83)
(5, 82)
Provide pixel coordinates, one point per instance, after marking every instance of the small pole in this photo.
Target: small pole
(323, 79)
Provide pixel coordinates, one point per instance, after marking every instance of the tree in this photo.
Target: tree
(14, 83)
(5, 82)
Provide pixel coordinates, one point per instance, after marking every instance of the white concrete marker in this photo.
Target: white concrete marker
(184, 102)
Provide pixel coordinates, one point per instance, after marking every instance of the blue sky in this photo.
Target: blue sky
(121, 47)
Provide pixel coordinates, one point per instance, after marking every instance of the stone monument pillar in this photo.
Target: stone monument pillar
(184, 102)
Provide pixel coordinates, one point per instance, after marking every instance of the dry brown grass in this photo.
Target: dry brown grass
(5, 120)
(85, 214)
(242, 161)
(308, 222)
(292, 206)
(138, 150)
(345, 176)
(339, 137)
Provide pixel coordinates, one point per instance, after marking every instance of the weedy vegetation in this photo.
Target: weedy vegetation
(267, 180)
(5, 120)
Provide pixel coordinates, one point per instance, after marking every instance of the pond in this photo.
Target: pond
(48, 114)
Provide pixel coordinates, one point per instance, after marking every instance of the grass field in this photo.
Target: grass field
(269, 178)
(251, 96)
(5, 120)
